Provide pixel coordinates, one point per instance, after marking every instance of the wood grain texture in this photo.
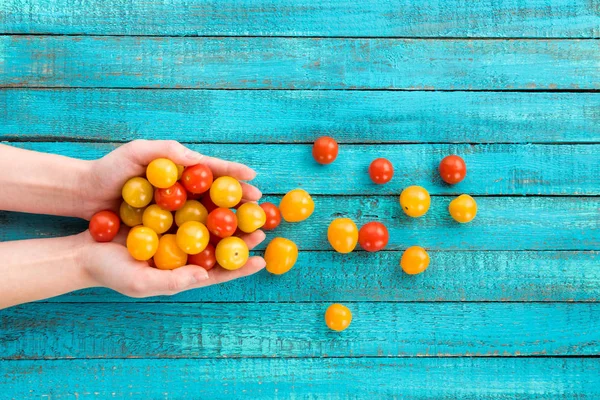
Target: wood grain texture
(362, 276)
(447, 18)
(564, 170)
(298, 330)
(502, 223)
(299, 116)
(297, 63)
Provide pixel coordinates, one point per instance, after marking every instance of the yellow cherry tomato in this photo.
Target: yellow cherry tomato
(231, 253)
(192, 237)
(296, 205)
(281, 255)
(157, 219)
(338, 317)
(169, 255)
(162, 173)
(137, 192)
(463, 208)
(415, 201)
(342, 235)
(414, 260)
(142, 243)
(130, 216)
(226, 192)
(250, 217)
(180, 169)
(192, 210)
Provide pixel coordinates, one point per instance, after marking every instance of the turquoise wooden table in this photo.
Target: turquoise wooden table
(509, 306)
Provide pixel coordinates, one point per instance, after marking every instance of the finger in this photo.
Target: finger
(227, 168)
(144, 151)
(121, 237)
(250, 192)
(221, 275)
(253, 239)
(155, 282)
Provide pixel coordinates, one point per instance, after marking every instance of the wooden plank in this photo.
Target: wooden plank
(299, 116)
(362, 276)
(492, 169)
(448, 18)
(298, 63)
(295, 330)
(502, 223)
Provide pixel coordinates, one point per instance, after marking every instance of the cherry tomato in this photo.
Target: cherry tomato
(162, 173)
(104, 226)
(281, 255)
(137, 192)
(169, 255)
(381, 171)
(192, 237)
(342, 235)
(208, 203)
(373, 236)
(192, 210)
(325, 150)
(142, 243)
(338, 317)
(197, 178)
(157, 219)
(272, 214)
(296, 205)
(214, 239)
(222, 222)
(130, 216)
(171, 198)
(226, 192)
(180, 169)
(415, 201)
(463, 208)
(232, 253)
(205, 259)
(453, 169)
(414, 260)
(250, 217)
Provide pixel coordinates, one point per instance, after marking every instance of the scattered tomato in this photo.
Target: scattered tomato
(453, 169)
(171, 198)
(222, 222)
(162, 173)
(232, 253)
(342, 235)
(226, 192)
(142, 243)
(205, 259)
(414, 260)
(169, 255)
(273, 216)
(192, 237)
(104, 226)
(250, 217)
(415, 201)
(137, 192)
(281, 255)
(381, 171)
(157, 219)
(463, 208)
(192, 210)
(296, 205)
(373, 236)
(130, 216)
(325, 150)
(197, 178)
(338, 317)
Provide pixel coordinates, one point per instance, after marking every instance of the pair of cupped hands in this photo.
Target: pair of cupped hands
(110, 265)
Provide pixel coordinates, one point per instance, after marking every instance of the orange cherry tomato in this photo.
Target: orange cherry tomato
(325, 150)
(130, 216)
(169, 255)
(232, 253)
(171, 198)
(205, 259)
(342, 235)
(373, 236)
(221, 222)
(273, 216)
(296, 205)
(142, 243)
(381, 171)
(180, 169)
(415, 201)
(192, 237)
(104, 226)
(197, 178)
(157, 219)
(226, 192)
(192, 210)
(463, 208)
(281, 255)
(250, 217)
(414, 260)
(137, 192)
(338, 317)
(162, 173)
(453, 169)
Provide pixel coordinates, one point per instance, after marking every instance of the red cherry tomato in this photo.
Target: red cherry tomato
(273, 216)
(325, 150)
(104, 226)
(373, 236)
(381, 171)
(453, 169)
(197, 178)
(208, 203)
(214, 239)
(222, 222)
(205, 259)
(171, 198)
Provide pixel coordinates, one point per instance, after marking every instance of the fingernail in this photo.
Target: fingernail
(201, 275)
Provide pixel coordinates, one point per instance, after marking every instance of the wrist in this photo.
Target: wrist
(81, 251)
